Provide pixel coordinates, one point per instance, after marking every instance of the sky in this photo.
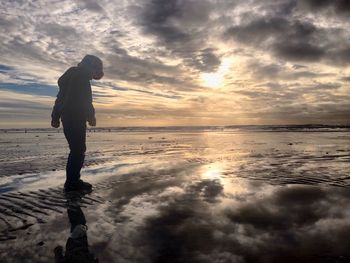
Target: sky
(180, 62)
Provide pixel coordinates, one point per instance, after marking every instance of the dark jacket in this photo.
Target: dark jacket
(74, 99)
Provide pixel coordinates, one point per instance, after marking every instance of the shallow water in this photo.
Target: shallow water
(238, 196)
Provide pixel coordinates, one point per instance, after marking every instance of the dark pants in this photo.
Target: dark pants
(75, 133)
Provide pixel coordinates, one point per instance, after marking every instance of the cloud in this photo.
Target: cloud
(290, 40)
(139, 90)
(205, 60)
(341, 7)
(178, 26)
(161, 50)
(174, 21)
(284, 223)
(146, 73)
(285, 210)
(5, 69)
(272, 71)
(30, 88)
(157, 19)
(91, 5)
(341, 56)
(20, 105)
(346, 79)
(298, 52)
(62, 33)
(164, 211)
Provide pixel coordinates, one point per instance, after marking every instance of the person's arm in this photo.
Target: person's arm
(57, 108)
(92, 121)
(90, 109)
(91, 116)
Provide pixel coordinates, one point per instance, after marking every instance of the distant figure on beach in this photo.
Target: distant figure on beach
(74, 107)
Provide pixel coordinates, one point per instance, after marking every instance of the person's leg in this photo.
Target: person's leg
(75, 133)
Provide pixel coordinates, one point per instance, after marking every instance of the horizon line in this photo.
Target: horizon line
(195, 126)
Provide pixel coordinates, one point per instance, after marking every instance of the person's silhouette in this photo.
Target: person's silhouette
(77, 246)
(74, 107)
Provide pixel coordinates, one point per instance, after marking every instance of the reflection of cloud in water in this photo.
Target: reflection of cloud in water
(184, 212)
(285, 224)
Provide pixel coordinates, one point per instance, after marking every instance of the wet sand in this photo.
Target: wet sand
(233, 196)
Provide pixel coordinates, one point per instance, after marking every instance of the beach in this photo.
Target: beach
(244, 194)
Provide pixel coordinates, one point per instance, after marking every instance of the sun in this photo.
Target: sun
(217, 79)
(213, 79)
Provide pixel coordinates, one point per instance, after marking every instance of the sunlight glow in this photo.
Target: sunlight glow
(216, 79)
(213, 79)
(212, 172)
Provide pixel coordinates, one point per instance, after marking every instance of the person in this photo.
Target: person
(74, 107)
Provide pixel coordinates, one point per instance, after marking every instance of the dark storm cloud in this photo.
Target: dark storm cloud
(178, 25)
(157, 18)
(298, 51)
(292, 40)
(258, 30)
(262, 29)
(337, 6)
(175, 21)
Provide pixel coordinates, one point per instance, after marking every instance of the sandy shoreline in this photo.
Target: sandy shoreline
(185, 198)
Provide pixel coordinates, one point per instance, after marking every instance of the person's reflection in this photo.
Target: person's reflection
(77, 247)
